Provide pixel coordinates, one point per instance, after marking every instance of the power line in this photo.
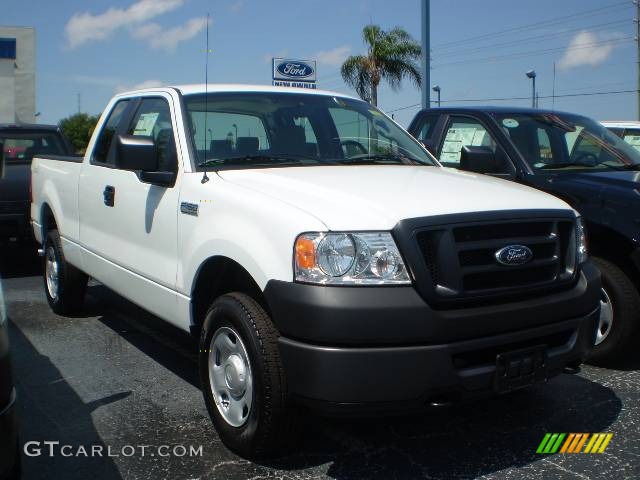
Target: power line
(548, 22)
(591, 28)
(516, 55)
(506, 99)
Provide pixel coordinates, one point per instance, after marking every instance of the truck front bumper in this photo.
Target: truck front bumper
(360, 349)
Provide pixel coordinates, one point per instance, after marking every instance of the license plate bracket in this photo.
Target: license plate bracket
(520, 368)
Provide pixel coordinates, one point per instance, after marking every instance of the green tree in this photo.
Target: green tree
(392, 55)
(78, 129)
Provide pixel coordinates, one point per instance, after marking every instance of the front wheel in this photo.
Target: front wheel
(618, 330)
(242, 376)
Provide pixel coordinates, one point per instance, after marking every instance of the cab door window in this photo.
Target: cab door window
(461, 132)
(153, 120)
(102, 152)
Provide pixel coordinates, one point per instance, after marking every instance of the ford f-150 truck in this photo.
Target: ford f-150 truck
(18, 145)
(576, 159)
(318, 251)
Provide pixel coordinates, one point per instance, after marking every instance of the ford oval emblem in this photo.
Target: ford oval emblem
(294, 69)
(514, 255)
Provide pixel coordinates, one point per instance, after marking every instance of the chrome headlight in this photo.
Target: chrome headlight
(348, 258)
(581, 241)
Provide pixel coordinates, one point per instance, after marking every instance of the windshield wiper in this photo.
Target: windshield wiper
(382, 158)
(553, 166)
(261, 159)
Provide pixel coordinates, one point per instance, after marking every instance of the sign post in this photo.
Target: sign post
(294, 73)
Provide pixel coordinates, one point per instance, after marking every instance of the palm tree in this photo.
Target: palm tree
(392, 55)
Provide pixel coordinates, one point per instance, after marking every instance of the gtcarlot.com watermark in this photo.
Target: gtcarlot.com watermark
(51, 448)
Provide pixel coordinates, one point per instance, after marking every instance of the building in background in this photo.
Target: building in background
(17, 75)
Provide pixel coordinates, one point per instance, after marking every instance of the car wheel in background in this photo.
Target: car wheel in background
(64, 285)
(618, 331)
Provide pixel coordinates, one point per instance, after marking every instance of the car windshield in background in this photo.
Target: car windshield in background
(563, 142)
(22, 146)
(253, 130)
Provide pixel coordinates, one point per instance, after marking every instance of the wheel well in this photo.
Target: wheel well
(48, 220)
(610, 245)
(217, 276)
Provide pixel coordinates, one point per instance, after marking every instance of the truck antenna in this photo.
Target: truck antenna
(205, 178)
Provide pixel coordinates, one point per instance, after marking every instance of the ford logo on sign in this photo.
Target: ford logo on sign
(298, 70)
(514, 255)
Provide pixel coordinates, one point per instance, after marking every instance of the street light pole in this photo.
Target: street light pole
(532, 75)
(436, 88)
(426, 53)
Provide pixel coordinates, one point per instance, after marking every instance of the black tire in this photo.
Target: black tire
(68, 298)
(267, 421)
(624, 336)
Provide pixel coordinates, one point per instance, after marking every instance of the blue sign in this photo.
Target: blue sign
(294, 70)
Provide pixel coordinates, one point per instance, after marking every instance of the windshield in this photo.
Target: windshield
(567, 142)
(22, 146)
(253, 130)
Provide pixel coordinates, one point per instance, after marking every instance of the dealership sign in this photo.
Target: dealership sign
(294, 73)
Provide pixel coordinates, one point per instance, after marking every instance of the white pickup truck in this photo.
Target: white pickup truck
(318, 251)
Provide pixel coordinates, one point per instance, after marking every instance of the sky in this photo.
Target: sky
(480, 50)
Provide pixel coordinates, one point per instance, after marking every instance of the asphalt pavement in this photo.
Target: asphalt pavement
(118, 378)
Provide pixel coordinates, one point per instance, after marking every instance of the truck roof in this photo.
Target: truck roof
(621, 123)
(28, 126)
(501, 110)
(238, 87)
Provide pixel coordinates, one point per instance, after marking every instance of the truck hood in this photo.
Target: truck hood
(376, 197)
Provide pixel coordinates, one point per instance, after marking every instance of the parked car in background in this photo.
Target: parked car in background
(18, 145)
(629, 131)
(322, 257)
(9, 448)
(576, 159)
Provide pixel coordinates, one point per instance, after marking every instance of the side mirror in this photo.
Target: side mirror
(137, 153)
(478, 160)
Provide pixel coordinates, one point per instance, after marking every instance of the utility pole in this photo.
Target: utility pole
(637, 22)
(426, 53)
(79, 102)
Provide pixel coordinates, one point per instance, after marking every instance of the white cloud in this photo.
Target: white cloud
(585, 49)
(169, 38)
(333, 57)
(140, 86)
(236, 6)
(86, 27)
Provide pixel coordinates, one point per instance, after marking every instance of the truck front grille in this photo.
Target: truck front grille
(455, 255)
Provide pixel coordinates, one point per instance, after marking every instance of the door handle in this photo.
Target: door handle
(109, 196)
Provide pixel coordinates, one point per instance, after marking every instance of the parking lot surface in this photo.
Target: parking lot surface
(116, 377)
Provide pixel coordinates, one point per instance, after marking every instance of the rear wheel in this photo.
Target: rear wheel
(64, 285)
(618, 330)
(242, 376)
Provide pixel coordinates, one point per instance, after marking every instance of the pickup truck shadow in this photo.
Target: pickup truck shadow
(47, 406)
(464, 441)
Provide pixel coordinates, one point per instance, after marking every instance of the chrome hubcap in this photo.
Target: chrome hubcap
(51, 271)
(606, 317)
(230, 376)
